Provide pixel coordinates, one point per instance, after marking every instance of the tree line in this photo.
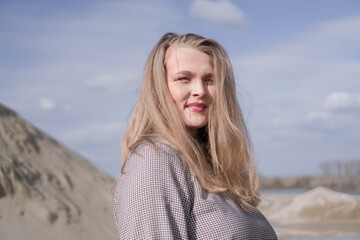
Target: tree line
(340, 174)
(337, 174)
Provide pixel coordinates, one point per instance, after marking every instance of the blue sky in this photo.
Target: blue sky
(73, 69)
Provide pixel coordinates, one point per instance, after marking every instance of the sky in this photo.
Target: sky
(74, 69)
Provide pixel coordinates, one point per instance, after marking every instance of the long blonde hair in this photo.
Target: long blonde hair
(223, 162)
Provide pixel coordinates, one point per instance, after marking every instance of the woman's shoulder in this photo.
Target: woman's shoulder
(157, 166)
(154, 154)
(155, 147)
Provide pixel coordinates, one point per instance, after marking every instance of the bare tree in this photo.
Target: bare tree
(340, 174)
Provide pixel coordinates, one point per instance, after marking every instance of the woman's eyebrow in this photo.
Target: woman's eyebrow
(188, 73)
(184, 73)
(209, 75)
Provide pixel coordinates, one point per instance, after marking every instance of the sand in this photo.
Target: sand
(47, 191)
(319, 212)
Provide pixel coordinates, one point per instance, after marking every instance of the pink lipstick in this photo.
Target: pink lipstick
(196, 106)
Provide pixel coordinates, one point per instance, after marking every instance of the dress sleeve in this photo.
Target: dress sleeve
(154, 195)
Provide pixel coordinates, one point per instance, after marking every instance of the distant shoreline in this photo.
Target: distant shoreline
(347, 183)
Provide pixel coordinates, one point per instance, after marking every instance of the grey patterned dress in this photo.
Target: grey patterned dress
(156, 198)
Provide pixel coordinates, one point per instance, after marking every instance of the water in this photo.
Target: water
(284, 191)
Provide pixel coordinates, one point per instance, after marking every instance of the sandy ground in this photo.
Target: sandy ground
(317, 214)
(47, 191)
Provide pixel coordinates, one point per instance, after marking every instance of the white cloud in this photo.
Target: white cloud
(332, 38)
(103, 80)
(93, 133)
(71, 48)
(222, 12)
(277, 121)
(337, 101)
(46, 103)
(341, 101)
(290, 83)
(314, 116)
(112, 82)
(291, 78)
(68, 107)
(96, 47)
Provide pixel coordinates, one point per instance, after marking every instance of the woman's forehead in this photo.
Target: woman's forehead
(185, 52)
(187, 59)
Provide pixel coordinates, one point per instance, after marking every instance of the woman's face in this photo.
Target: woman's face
(189, 76)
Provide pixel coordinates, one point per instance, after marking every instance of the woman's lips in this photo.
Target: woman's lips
(196, 107)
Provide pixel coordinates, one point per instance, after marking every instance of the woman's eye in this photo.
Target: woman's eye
(182, 79)
(209, 81)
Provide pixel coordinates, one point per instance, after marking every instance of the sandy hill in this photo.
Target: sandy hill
(319, 213)
(320, 205)
(48, 191)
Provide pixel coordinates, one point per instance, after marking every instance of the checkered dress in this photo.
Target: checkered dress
(156, 198)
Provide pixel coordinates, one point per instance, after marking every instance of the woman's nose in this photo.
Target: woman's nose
(198, 88)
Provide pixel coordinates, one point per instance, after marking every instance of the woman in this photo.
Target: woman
(188, 170)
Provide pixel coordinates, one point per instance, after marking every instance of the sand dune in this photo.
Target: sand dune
(48, 191)
(318, 212)
(319, 204)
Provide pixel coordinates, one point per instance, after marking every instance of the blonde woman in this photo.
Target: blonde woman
(188, 170)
